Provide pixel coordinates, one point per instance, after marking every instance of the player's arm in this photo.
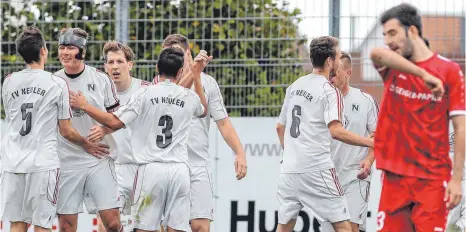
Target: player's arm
(333, 113)
(68, 131)
(392, 60)
(282, 119)
(188, 79)
(200, 62)
(459, 153)
(77, 100)
(457, 112)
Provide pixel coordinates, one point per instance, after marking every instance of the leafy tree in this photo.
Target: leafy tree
(255, 43)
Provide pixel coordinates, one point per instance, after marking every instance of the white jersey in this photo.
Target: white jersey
(198, 142)
(162, 114)
(123, 136)
(360, 117)
(100, 92)
(310, 104)
(34, 101)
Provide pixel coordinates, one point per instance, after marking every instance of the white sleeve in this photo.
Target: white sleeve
(216, 106)
(111, 98)
(282, 117)
(64, 109)
(372, 114)
(129, 112)
(198, 107)
(333, 104)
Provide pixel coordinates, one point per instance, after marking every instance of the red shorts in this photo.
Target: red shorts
(411, 204)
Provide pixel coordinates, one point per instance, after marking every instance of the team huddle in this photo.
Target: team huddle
(128, 148)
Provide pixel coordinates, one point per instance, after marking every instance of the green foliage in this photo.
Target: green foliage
(254, 42)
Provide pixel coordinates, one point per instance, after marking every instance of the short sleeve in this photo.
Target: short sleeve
(216, 106)
(333, 104)
(111, 98)
(282, 117)
(129, 112)
(64, 109)
(198, 107)
(455, 86)
(372, 114)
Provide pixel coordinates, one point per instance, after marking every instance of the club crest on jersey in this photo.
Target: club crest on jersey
(77, 112)
(355, 108)
(91, 87)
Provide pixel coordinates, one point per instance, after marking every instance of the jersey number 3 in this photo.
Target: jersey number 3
(165, 140)
(294, 129)
(26, 116)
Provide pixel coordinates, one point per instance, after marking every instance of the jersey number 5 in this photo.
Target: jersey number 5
(26, 116)
(294, 129)
(165, 140)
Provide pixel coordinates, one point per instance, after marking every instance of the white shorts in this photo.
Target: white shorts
(318, 191)
(357, 197)
(125, 178)
(161, 192)
(95, 186)
(202, 195)
(30, 197)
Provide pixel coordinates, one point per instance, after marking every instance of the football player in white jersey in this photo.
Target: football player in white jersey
(202, 199)
(162, 113)
(83, 177)
(312, 114)
(37, 108)
(360, 117)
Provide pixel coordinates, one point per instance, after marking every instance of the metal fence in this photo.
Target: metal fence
(260, 46)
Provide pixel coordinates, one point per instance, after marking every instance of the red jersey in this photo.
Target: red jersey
(412, 134)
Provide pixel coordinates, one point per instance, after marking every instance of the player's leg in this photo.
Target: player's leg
(430, 212)
(288, 200)
(202, 201)
(100, 225)
(18, 227)
(12, 200)
(126, 174)
(357, 196)
(149, 194)
(70, 198)
(177, 204)
(321, 192)
(395, 204)
(41, 198)
(102, 189)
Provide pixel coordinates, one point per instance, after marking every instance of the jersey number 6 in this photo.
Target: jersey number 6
(165, 140)
(294, 129)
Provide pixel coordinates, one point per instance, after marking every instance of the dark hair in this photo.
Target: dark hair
(176, 39)
(170, 61)
(29, 43)
(114, 46)
(406, 14)
(322, 48)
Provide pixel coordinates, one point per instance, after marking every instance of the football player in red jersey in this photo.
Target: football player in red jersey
(423, 90)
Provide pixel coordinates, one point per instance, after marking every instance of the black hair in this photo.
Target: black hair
(29, 43)
(322, 48)
(170, 61)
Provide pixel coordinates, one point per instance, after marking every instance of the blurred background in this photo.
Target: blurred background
(259, 48)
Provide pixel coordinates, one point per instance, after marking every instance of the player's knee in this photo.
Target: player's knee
(67, 224)
(200, 226)
(113, 225)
